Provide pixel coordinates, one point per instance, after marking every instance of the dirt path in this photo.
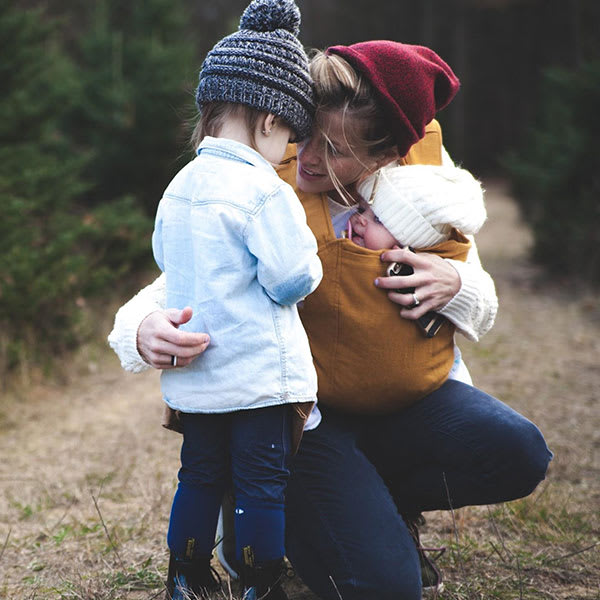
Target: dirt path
(87, 474)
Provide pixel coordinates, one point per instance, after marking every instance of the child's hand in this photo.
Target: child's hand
(435, 281)
(159, 340)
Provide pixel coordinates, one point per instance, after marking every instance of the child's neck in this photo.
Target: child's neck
(236, 129)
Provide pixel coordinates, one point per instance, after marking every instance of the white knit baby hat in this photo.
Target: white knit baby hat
(420, 204)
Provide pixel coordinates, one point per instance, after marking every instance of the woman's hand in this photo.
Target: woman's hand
(159, 340)
(435, 281)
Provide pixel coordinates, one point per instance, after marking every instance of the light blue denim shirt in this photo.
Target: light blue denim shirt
(232, 239)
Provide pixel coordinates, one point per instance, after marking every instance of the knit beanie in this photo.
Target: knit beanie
(420, 204)
(411, 82)
(262, 65)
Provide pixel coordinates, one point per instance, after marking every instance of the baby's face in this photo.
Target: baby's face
(368, 231)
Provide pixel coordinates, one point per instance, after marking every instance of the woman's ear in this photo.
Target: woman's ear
(388, 156)
(381, 160)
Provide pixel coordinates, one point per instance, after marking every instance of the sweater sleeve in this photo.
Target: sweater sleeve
(446, 159)
(123, 337)
(473, 310)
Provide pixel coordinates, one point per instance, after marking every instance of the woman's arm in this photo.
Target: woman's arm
(145, 333)
(473, 309)
(461, 291)
(123, 337)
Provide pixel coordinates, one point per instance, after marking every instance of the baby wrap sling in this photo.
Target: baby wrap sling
(368, 358)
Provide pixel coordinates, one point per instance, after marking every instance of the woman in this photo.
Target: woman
(361, 479)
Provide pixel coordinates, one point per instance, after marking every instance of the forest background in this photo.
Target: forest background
(97, 99)
(96, 106)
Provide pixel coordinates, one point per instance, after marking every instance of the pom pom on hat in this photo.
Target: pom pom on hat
(265, 15)
(263, 65)
(411, 82)
(420, 204)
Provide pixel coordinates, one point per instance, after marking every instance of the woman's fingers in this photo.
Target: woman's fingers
(158, 339)
(187, 347)
(435, 282)
(410, 310)
(179, 317)
(401, 255)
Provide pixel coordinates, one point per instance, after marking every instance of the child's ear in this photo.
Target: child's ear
(267, 122)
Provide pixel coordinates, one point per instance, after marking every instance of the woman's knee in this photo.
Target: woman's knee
(528, 458)
(510, 443)
(536, 457)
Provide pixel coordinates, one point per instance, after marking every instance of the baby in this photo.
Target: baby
(416, 206)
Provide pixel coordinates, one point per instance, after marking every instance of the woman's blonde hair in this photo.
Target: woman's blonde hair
(338, 87)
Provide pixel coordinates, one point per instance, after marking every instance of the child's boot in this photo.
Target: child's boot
(264, 581)
(191, 579)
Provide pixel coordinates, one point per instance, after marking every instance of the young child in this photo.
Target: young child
(233, 242)
(419, 206)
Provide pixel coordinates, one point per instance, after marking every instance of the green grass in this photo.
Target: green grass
(543, 546)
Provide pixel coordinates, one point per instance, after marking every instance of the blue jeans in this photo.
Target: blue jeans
(250, 447)
(355, 475)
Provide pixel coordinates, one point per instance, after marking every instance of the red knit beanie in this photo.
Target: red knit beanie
(412, 82)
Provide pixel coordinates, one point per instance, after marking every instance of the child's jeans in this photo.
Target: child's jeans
(250, 448)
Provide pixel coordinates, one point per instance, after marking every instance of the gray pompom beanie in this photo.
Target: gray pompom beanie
(262, 65)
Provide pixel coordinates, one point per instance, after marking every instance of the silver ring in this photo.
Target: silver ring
(416, 301)
(173, 361)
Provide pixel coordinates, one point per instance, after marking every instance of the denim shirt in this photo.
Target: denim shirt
(232, 239)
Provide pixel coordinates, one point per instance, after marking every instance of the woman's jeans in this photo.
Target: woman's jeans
(355, 475)
(250, 447)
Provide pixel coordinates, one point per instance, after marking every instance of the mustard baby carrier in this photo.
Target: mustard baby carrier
(368, 358)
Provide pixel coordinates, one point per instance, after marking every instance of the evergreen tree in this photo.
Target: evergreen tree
(52, 252)
(557, 174)
(136, 73)
(39, 180)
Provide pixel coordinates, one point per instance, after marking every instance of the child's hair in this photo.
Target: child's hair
(338, 87)
(214, 115)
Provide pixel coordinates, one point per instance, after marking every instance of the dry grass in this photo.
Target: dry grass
(87, 474)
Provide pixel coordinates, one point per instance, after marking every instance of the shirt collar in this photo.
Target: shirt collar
(234, 150)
